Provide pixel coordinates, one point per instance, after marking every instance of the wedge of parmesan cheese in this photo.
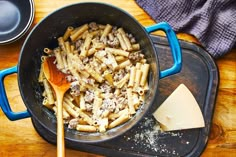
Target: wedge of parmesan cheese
(179, 111)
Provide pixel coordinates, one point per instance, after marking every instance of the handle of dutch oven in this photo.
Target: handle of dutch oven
(174, 45)
(4, 104)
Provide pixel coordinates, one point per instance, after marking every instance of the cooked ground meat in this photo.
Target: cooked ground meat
(119, 75)
(78, 44)
(93, 26)
(70, 78)
(89, 96)
(121, 103)
(73, 123)
(131, 38)
(136, 56)
(75, 89)
(88, 107)
(104, 40)
(90, 81)
(114, 30)
(109, 104)
(106, 88)
(113, 43)
(85, 60)
(123, 92)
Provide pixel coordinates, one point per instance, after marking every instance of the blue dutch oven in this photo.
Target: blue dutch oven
(45, 34)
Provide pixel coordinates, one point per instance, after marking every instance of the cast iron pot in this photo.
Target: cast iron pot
(45, 34)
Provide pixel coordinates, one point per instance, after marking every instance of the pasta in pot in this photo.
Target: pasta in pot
(108, 75)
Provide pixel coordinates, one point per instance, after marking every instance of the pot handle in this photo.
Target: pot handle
(4, 104)
(174, 45)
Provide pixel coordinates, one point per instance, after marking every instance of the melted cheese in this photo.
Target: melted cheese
(179, 111)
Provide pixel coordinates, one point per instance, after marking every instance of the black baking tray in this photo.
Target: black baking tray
(200, 74)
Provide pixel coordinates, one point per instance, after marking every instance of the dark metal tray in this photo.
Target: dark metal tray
(200, 74)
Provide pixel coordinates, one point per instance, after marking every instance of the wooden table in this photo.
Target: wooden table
(18, 138)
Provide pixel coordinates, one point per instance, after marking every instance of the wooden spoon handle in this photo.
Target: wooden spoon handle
(60, 126)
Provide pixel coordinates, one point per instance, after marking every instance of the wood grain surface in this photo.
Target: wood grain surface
(19, 138)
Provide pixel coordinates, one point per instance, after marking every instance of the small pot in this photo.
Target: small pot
(16, 18)
(45, 34)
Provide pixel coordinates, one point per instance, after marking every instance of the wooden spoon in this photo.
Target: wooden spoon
(58, 81)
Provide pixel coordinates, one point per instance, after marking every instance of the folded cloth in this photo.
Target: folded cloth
(213, 22)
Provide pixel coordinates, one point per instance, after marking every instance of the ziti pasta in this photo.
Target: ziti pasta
(108, 75)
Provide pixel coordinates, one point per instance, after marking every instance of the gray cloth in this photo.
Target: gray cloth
(213, 22)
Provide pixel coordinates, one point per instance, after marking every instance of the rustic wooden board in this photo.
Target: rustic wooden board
(200, 74)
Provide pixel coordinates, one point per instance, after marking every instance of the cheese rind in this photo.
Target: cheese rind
(179, 111)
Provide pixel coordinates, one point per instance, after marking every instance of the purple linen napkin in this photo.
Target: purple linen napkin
(213, 22)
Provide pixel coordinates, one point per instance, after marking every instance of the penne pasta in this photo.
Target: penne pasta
(67, 33)
(123, 118)
(47, 50)
(122, 82)
(41, 74)
(78, 32)
(130, 101)
(103, 124)
(61, 43)
(107, 58)
(86, 128)
(67, 47)
(121, 40)
(138, 65)
(125, 39)
(64, 113)
(108, 77)
(69, 109)
(120, 58)
(124, 64)
(96, 106)
(49, 92)
(132, 76)
(82, 102)
(135, 47)
(94, 74)
(106, 31)
(86, 45)
(108, 82)
(117, 51)
(138, 76)
(136, 101)
(85, 117)
(59, 59)
(145, 69)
